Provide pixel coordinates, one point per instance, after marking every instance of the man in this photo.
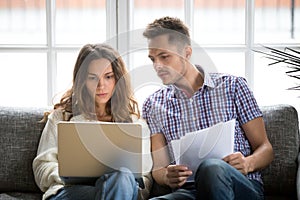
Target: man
(192, 100)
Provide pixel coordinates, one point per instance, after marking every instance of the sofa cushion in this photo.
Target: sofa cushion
(20, 196)
(20, 132)
(282, 127)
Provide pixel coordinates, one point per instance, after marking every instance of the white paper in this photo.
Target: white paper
(213, 142)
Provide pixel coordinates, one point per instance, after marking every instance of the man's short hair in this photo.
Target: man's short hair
(178, 32)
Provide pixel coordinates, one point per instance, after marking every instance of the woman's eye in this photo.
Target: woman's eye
(109, 76)
(93, 78)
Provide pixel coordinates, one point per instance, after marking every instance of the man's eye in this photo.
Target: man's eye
(164, 57)
(152, 59)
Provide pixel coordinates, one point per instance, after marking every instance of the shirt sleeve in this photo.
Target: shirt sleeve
(246, 105)
(148, 110)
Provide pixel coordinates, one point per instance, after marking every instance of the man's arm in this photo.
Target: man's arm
(173, 176)
(262, 149)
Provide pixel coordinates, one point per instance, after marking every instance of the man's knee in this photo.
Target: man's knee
(210, 167)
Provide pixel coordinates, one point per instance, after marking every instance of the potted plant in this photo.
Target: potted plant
(290, 57)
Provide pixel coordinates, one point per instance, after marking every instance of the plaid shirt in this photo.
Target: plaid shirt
(221, 98)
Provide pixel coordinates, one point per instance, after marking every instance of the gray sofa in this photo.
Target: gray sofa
(20, 132)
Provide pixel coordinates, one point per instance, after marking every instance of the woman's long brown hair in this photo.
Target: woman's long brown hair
(78, 101)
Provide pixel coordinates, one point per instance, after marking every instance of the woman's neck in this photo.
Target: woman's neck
(102, 114)
(107, 118)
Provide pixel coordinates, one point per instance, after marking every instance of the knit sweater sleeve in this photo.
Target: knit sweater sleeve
(45, 164)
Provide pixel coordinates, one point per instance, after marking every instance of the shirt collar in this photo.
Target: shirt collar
(208, 83)
(207, 78)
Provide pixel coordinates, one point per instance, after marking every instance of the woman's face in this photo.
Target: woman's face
(100, 80)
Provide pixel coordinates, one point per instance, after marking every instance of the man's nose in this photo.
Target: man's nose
(157, 65)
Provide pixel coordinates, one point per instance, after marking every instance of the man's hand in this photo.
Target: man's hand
(176, 175)
(238, 161)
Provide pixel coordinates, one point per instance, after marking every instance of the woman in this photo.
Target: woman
(101, 92)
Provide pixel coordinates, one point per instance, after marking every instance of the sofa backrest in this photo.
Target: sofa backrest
(282, 127)
(20, 132)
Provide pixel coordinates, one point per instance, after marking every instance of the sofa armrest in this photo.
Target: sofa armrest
(20, 131)
(282, 126)
(298, 178)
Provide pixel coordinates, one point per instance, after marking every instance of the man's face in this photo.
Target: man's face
(168, 62)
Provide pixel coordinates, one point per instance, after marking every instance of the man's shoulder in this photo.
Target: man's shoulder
(160, 93)
(157, 97)
(214, 75)
(219, 75)
(220, 78)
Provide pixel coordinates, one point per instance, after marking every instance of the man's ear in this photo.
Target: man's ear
(188, 52)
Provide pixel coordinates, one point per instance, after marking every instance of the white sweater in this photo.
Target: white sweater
(45, 164)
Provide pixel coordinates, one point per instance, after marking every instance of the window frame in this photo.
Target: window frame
(117, 24)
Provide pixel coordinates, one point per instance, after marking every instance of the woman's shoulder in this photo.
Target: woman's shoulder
(56, 114)
(136, 119)
(59, 115)
(143, 123)
(78, 118)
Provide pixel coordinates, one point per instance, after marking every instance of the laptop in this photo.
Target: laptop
(87, 150)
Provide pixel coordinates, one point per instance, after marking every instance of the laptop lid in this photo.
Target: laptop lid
(91, 149)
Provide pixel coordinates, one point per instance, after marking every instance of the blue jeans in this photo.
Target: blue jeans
(217, 180)
(117, 185)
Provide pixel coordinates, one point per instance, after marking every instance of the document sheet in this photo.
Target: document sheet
(214, 142)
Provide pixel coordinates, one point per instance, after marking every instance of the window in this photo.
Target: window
(225, 34)
(278, 17)
(219, 22)
(80, 21)
(40, 41)
(45, 37)
(23, 22)
(23, 78)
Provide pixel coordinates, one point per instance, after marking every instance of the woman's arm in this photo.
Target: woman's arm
(45, 164)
